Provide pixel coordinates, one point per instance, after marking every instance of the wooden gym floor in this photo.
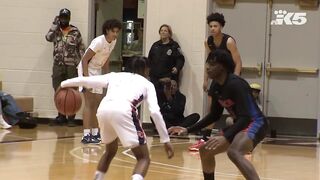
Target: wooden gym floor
(56, 153)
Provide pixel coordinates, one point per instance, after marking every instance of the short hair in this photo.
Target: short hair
(167, 26)
(222, 57)
(218, 17)
(137, 65)
(111, 24)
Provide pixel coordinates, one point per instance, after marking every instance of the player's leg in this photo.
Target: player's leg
(241, 145)
(109, 137)
(208, 159)
(94, 120)
(89, 112)
(143, 161)
(106, 158)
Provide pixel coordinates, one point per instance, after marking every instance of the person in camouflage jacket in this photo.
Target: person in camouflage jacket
(68, 50)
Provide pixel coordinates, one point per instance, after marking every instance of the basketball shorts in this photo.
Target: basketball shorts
(92, 72)
(120, 120)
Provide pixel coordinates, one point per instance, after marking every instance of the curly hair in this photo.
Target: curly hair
(218, 17)
(222, 57)
(111, 24)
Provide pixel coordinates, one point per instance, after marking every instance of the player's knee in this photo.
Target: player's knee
(233, 154)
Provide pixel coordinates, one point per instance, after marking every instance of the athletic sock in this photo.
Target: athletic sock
(137, 177)
(86, 132)
(94, 131)
(99, 175)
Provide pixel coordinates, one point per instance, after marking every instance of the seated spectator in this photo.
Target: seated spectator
(11, 114)
(172, 108)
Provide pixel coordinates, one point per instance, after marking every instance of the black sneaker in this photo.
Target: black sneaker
(86, 139)
(97, 137)
(89, 139)
(58, 121)
(71, 123)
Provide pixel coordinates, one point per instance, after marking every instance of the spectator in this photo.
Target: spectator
(68, 49)
(173, 108)
(166, 61)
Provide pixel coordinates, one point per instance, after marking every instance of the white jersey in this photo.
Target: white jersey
(103, 49)
(125, 88)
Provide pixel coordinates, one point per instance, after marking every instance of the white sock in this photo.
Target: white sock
(99, 175)
(137, 177)
(94, 131)
(86, 132)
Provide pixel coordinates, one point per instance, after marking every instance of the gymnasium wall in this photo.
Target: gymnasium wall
(26, 56)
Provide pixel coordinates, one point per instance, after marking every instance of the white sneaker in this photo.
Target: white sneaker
(4, 124)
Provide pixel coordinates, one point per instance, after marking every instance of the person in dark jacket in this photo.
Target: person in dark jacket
(173, 107)
(166, 61)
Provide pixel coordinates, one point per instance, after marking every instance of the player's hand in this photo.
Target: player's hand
(178, 130)
(174, 70)
(169, 150)
(215, 142)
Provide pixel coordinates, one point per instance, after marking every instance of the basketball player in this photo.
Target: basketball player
(217, 40)
(234, 94)
(118, 116)
(96, 62)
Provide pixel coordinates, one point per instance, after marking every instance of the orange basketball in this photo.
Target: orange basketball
(68, 101)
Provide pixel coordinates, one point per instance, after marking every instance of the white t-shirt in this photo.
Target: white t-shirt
(128, 88)
(103, 49)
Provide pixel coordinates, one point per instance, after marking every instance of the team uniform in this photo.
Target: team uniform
(103, 49)
(235, 95)
(117, 113)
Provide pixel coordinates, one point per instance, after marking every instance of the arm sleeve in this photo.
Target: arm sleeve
(241, 97)
(156, 115)
(179, 58)
(51, 35)
(88, 81)
(213, 116)
(95, 45)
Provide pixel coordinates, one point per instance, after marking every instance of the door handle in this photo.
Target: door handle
(289, 70)
(255, 69)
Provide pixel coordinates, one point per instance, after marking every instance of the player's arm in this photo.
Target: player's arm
(243, 118)
(231, 45)
(213, 116)
(87, 81)
(205, 74)
(152, 102)
(85, 61)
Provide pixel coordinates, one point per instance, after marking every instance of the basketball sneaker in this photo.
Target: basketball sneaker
(98, 137)
(196, 146)
(89, 139)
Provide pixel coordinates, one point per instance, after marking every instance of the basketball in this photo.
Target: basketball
(68, 101)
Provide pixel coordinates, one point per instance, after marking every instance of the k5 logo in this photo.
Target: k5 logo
(289, 18)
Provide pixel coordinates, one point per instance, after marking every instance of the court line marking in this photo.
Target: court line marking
(125, 152)
(161, 165)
